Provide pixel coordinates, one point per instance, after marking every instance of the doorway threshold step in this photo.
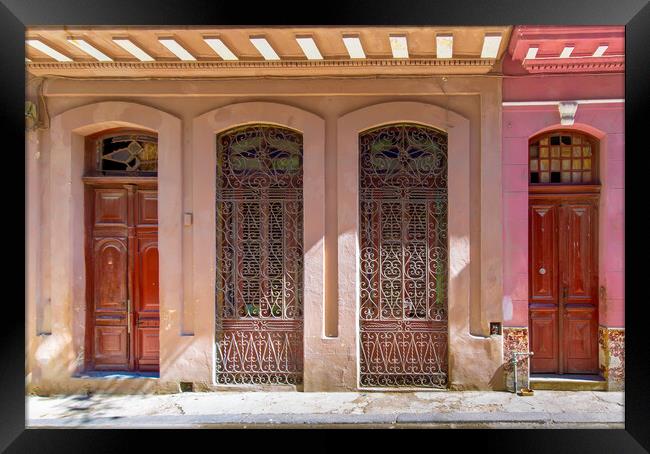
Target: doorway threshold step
(117, 375)
(568, 382)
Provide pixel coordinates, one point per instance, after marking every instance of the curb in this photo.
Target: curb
(523, 418)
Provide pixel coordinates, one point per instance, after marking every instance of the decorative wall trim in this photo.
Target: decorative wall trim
(267, 64)
(567, 112)
(573, 65)
(554, 103)
(256, 68)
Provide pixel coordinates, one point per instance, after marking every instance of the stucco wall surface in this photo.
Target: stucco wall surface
(187, 115)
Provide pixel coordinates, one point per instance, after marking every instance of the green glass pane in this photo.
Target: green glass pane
(543, 152)
(586, 151)
(586, 163)
(566, 177)
(566, 164)
(545, 177)
(577, 164)
(577, 177)
(534, 151)
(544, 164)
(533, 165)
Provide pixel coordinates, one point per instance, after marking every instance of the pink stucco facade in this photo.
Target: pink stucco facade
(531, 106)
(606, 123)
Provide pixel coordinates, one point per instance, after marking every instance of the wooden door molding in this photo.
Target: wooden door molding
(122, 321)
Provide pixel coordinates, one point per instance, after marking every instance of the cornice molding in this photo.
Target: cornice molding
(254, 68)
(568, 65)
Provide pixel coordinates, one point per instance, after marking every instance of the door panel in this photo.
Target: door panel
(563, 276)
(110, 206)
(123, 319)
(543, 272)
(544, 323)
(148, 207)
(578, 276)
(148, 350)
(110, 275)
(147, 316)
(544, 340)
(580, 333)
(111, 345)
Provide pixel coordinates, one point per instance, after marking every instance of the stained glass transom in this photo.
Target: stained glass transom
(562, 157)
(130, 154)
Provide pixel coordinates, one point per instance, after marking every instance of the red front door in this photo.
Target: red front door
(122, 262)
(563, 281)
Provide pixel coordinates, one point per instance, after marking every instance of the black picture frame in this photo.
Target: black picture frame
(635, 14)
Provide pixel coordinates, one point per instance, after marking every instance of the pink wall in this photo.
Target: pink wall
(605, 122)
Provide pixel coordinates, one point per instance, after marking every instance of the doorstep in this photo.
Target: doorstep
(568, 382)
(112, 375)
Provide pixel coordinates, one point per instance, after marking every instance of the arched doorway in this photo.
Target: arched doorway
(404, 256)
(121, 212)
(563, 253)
(259, 269)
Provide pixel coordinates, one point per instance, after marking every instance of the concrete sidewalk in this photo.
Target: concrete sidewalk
(443, 409)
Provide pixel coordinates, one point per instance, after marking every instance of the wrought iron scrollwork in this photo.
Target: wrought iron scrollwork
(403, 251)
(259, 285)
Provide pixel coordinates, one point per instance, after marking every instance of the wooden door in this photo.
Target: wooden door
(563, 280)
(122, 254)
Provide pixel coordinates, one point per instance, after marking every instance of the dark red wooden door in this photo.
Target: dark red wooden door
(123, 313)
(146, 307)
(563, 280)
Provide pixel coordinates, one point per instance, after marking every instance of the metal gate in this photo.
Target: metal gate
(259, 277)
(403, 253)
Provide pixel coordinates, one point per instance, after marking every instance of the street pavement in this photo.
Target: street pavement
(436, 409)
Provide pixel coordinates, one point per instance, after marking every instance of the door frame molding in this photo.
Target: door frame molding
(66, 236)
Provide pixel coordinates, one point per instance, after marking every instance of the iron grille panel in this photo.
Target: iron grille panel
(259, 278)
(404, 259)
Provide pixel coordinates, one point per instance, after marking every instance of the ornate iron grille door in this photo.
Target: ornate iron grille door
(259, 279)
(403, 253)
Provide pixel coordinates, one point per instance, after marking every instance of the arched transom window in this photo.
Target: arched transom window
(563, 157)
(126, 152)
